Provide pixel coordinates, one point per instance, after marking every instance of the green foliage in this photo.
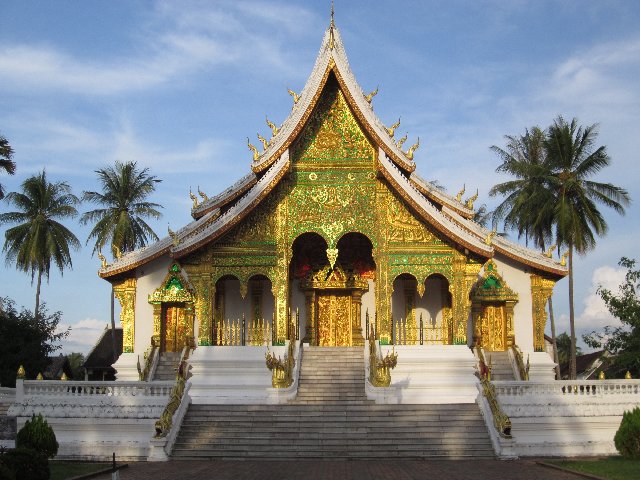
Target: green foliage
(563, 344)
(26, 341)
(38, 239)
(5, 472)
(26, 464)
(623, 342)
(76, 361)
(119, 222)
(627, 439)
(39, 436)
(6, 160)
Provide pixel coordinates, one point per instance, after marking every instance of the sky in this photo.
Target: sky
(178, 86)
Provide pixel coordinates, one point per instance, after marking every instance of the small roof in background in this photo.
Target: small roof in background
(101, 355)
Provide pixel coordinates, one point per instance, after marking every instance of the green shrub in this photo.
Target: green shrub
(627, 437)
(39, 436)
(26, 464)
(5, 472)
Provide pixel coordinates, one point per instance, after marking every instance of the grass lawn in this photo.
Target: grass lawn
(63, 470)
(611, 468)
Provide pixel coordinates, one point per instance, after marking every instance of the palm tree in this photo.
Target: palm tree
(38, 239)
(6, 160)
(120, 220)
(572, 159)
(525, 159)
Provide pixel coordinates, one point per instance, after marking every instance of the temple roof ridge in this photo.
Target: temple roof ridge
(331, 57)
(440, 196)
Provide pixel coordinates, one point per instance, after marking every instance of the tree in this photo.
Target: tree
(624, 341)
(26, 340)
(563, 342)
(76, 362)
(572, 160)
(121, 220)
(39, 239)
(525, 159)
(6, 160)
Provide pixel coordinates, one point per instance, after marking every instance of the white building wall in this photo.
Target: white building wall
(519, 280)
(297, 302)
(148, 278)
(368, 305)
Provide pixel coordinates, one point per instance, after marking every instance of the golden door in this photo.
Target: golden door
(173, 328)
(334, 319)
(494, 331)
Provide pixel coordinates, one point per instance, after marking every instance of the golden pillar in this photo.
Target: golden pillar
(125, 292)
(465, 275)
(384, 290)
(541, 290)
(357, 338)
(204, 295)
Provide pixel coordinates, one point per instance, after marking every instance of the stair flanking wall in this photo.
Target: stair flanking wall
(330, 418)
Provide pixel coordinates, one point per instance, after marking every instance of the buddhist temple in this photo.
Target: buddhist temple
(332, 303)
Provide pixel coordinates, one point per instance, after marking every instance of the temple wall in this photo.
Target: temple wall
(518, 279)
(149, 278)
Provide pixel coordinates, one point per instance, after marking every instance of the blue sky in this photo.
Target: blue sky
(178, 87)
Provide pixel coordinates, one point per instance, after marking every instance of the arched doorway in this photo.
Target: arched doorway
(332, 293)
(173, 312)
(492, 311)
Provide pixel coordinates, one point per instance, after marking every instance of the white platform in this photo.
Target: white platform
(428, 374)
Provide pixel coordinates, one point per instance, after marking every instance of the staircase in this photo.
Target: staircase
(501, 368)
(331, 418)
(167, 366)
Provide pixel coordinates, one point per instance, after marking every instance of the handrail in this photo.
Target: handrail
(522, 368)
(501, 421)
(165, 422)
(379, 367)
(149, 359)
(281, 370)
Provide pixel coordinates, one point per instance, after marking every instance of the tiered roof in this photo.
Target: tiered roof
(445, 213)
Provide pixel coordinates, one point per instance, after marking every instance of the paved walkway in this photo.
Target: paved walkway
(343, 470)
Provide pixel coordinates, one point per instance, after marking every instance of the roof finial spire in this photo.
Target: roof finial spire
(331, 26)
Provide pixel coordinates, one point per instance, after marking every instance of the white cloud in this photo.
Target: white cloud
(82, 336)
(178, 41)
(595, 315)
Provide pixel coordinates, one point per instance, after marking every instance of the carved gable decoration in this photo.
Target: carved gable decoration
(333, 279)
(174, 288)
(492, 287)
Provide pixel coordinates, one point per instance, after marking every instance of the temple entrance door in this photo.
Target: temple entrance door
(334, 318)
(494, 327)
(172, 328)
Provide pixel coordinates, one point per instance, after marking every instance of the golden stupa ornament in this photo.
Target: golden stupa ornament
(40, 377)
(601, 375)
(627, 375)
(64, 377)
(21, 372)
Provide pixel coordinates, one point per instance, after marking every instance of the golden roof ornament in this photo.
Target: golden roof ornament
(103, 261)
(252, 147)
(392, 129)
(470, 200)
(117, 251)
(272, 126)
(202, 194)
(21, 372)
(331, 26)
(174, 237)
(370, 96)
(549, 253)
(402, 140)
(563, 259)
(489, 239)
(412, 149)
(461, 192)
(264, 142)
(295, 96)
(193, 198)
